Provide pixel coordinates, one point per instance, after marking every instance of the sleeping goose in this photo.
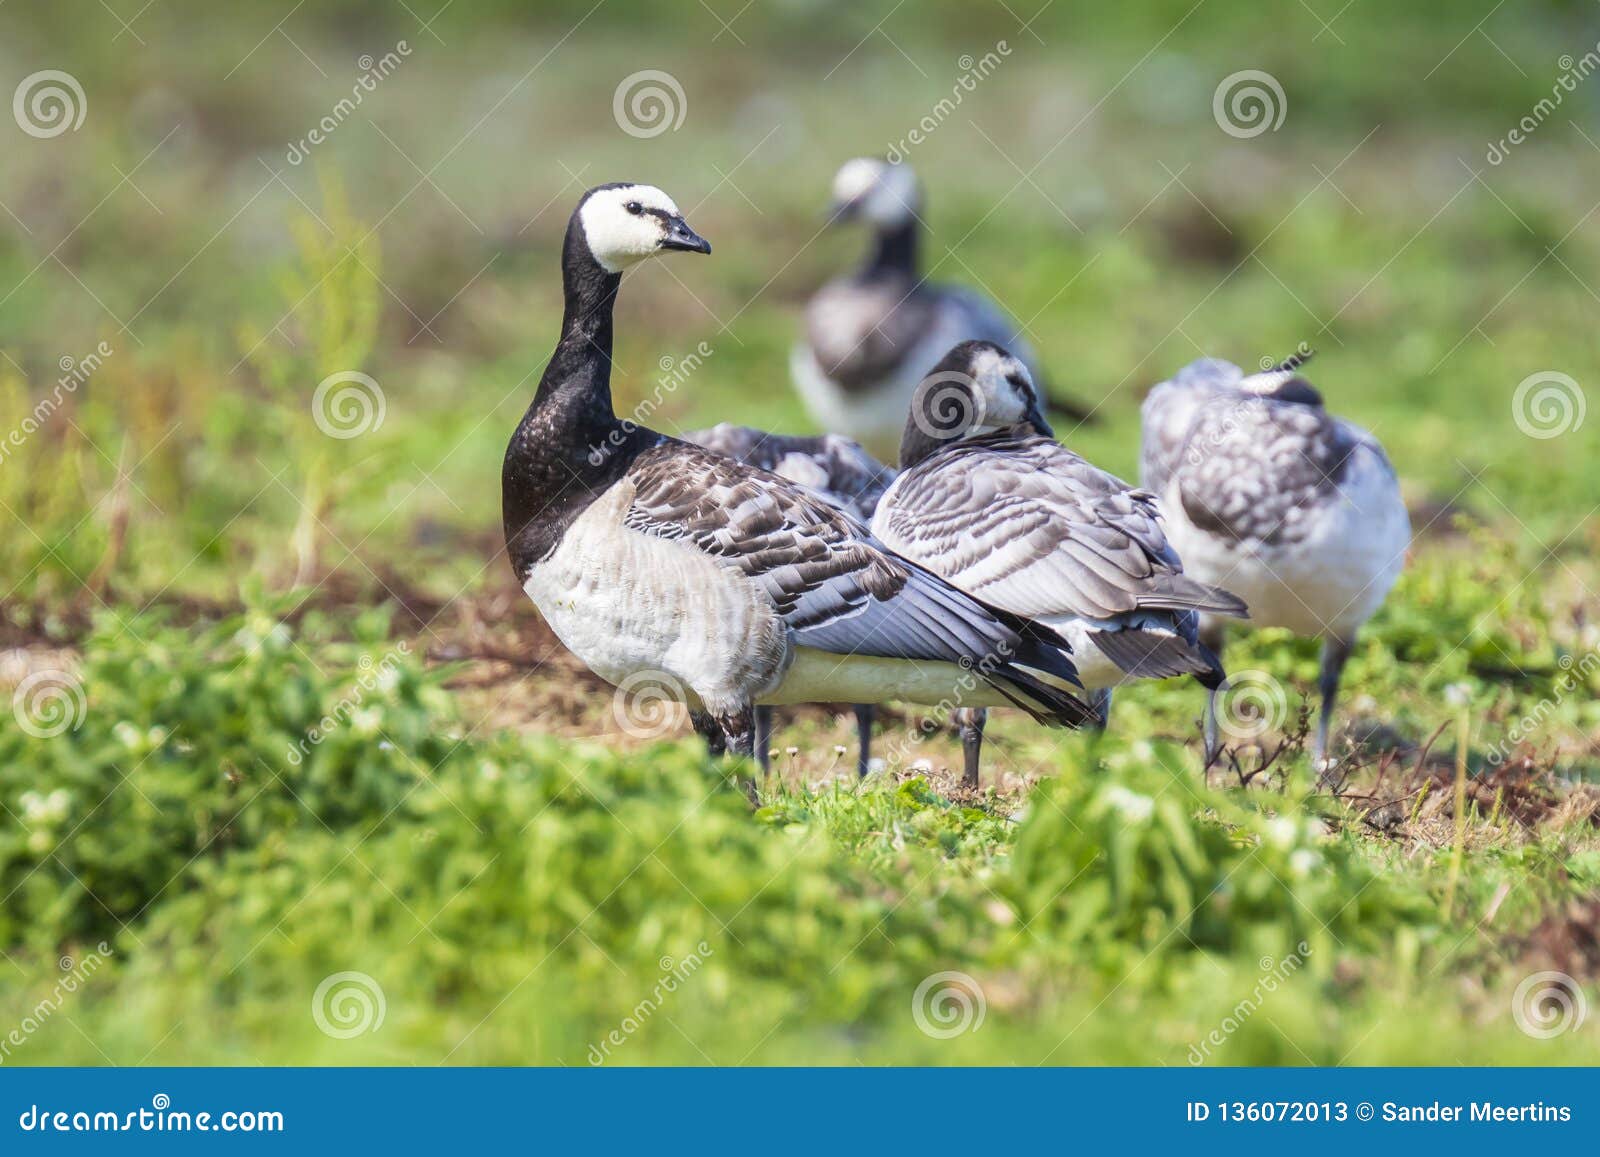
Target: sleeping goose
(835, 469)
(871, 336)
(651, 556)
(987, 498)
(1268, 494)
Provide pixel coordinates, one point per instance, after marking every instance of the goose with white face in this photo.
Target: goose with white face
(875, 191)
(624, 224)
(1005, 390)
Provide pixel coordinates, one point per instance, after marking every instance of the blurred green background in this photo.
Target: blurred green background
(210, 568)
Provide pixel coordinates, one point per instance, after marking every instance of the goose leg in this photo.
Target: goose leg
(1101, 702)
(711, 731)
(864, 714)
(1211, 637)
(763, 738)
(1213, 740)
(971, 720)
(1335, 651)
(740, 729)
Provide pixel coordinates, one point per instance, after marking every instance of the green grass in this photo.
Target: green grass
(474, 834)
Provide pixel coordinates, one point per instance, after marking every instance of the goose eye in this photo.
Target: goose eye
(634, 207)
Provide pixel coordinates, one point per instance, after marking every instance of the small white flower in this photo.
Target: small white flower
(1132, 806)
(1282, 832)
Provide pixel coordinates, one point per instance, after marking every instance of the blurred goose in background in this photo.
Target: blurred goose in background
(724, 585)
(1268, 494)
(870, 337)
(987, 498)
(836, 470)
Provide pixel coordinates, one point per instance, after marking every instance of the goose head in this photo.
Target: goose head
(621, 224)
(885, 196)
(1283, 382)
(977, 388)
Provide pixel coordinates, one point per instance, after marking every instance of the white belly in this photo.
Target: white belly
(1331, 580)
(1095, 671)
(627, 603)
(823, 677)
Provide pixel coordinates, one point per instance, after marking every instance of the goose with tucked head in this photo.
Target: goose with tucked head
(836, 470)
(1268, 494)
(677, 572)
(872, 335)
(988, 499)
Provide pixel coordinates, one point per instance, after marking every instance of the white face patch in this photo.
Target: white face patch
(1265, 382)
(619, 238)
(1004, 404)
(884, 194)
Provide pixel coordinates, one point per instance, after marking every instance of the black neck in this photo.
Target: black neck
(577, 380)
(569, 446)
(895, 249)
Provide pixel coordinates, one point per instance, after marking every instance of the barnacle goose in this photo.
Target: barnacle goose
(869, 337)
(987, 498)
(1268, 494)
(649, 555)
(832, 467)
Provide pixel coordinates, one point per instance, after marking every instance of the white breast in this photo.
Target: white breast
(1333, 578)
(625, 602)
(876, 415)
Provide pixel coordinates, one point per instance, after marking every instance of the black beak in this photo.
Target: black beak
(1036, 419)
(680, 236)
